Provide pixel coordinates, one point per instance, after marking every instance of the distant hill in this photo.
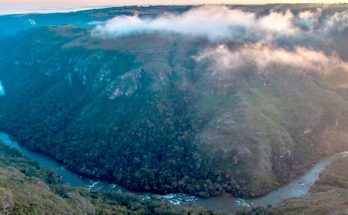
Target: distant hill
(12, 24)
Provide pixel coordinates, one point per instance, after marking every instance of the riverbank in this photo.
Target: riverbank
(27, 188)
(328, 195)
(71, 178)
(296, 189)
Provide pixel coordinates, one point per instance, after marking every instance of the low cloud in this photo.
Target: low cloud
(308, 20)
(276, 38)
(277, 23)
(262, 56)
(207, 21)
(338, 22)
(213, 22)
(224, 23)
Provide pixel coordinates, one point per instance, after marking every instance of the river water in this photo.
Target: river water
(297, 188)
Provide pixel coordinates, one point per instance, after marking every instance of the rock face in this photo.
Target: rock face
(141, 111)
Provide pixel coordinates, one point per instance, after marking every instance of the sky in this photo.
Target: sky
(23, 6)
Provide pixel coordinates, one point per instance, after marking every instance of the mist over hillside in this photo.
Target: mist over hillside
(203, 100)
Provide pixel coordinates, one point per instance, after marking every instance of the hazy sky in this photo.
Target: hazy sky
(15, 6)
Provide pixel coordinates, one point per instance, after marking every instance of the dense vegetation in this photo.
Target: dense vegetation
(145, 137)
(25, 188)
(141, 112)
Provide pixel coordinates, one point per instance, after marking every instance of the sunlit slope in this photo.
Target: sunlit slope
(142, 112)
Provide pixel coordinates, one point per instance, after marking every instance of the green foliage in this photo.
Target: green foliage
(28, 189)
(146, 138)
(139, 111)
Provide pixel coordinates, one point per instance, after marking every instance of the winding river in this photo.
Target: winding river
(297, 188)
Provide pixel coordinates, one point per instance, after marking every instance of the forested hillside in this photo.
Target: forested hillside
(161, 113)
(26, 188)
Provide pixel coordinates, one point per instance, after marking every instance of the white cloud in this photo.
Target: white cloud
(280, 23)
(264, 55)
(308, 19)
(260, 34)
(224, 23)
(307, 14)
(336, 22)
(213, 22)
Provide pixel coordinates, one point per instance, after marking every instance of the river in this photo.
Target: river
(297, 188)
